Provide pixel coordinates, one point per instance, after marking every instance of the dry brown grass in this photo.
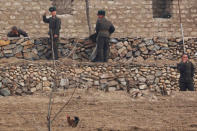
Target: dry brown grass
(98, 110)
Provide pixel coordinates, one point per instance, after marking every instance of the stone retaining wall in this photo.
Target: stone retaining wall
(24, 78)
(121, 73)
(125, 50)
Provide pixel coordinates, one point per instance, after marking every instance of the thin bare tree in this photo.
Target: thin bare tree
(49, 119)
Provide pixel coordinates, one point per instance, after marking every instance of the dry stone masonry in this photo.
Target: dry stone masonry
(26, 78)
(131, 17)
(123, 50)
(126, 69)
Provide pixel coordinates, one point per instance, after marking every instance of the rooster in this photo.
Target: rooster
(72, 122)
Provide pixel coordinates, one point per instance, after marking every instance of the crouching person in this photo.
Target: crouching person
(15, 32)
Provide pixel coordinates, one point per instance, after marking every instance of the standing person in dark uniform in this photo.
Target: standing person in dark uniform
(104, 29)
(186, 69)
(16, 32)
(54, 28)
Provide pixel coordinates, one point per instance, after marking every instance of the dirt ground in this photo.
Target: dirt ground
(101, 111)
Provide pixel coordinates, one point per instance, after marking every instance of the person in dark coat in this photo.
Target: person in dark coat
(15, 32)
(104, 29)
(54, 30)
(186, 69)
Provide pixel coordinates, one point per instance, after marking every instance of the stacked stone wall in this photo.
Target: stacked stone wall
(123, 50)
(23, 78)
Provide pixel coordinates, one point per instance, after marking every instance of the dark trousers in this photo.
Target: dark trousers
(186, 85)
(102, 49)
(55, 49)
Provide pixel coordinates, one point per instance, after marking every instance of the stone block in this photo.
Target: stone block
(96, 83)
(5, 92)
(18, 49)
(105, 76)
(142, 87)
(19, 55)
(47, 89)
(7, 51)
(46, 84)
(64, 82)
(112, 83)
(112, 89)
(142, 79)
(33, 90)
(28, 56)
(28, 42)
(10, 46)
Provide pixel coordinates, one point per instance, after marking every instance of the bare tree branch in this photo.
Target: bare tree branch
(49, 111)
(64, 105)
(51, 93)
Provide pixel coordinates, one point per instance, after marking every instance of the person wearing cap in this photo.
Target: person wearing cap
(104, 29)
(186, 69)
(15, 32)
(54, 30)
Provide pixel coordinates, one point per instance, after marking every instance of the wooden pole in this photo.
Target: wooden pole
(88, 16)
(182, 31)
